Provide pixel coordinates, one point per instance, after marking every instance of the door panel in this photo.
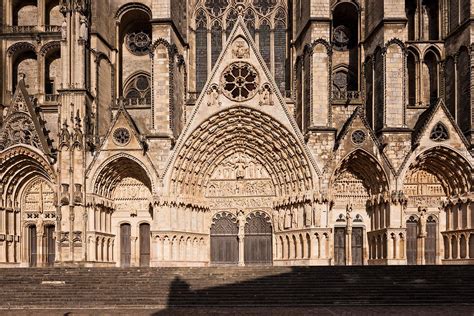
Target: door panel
(412, 243)
(144, 245)
(258, 239)
(49, 246)
(430, 244)
(339, 246)
(357, 243)
(224, 239)
(32, 255)
(125, 245)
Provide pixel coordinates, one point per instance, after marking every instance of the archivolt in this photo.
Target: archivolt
(451, 169)
(115, 171)
(367, 168)
(19, 165)
(241, 130)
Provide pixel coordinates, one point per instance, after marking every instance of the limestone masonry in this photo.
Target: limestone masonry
(236, 132)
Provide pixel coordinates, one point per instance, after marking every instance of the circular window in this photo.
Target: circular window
(121, 136)
(240, 81)
(138, 43)
(358, 137)
(439, 133)
(341, 37)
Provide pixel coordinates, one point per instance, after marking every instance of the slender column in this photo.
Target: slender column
(241, 237)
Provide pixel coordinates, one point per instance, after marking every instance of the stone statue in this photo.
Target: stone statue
(281, 220)
(294, 217)
(240, 49)
(84, 30)
(275, 217)
(241, 218)
(422, 222)
(317, 214)
(349, 216)
(64, 30)
(265, 95)
(213, 96)
(308, 216)
(288, 219)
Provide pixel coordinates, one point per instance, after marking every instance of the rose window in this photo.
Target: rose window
(121, 136)
(138, 43)
(358, 137)
(240, 81)
(341, 37)
(439, 133)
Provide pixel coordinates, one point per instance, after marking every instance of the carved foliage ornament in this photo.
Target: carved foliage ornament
(240, 81)
(439, 133)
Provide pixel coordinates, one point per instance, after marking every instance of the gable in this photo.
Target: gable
(434, 122)
(22, 124)
(240, 78)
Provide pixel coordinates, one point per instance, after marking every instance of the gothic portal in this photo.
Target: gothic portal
(236, 132)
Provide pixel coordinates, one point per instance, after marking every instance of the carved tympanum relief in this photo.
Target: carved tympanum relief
(350, 189)
(423, 189)
(240, 181)
(132, 196)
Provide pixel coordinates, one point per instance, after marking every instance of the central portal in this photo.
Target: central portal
(241, 194)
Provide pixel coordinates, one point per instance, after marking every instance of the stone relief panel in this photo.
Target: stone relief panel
(132, 196)
(349, 189)
(423, 189)
(39, 201)
(240, 181)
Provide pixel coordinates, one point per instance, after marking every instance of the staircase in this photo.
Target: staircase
(234, 287)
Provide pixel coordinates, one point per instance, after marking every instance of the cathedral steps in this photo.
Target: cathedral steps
(89, 288)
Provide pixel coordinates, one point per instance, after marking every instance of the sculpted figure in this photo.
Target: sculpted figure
(213, 96)
(281, 220)
(83, 30)
(294, 217)
(275, 217)
(288, 219)
(308, 216)
(64, 30)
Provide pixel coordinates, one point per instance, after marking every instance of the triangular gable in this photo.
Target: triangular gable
(114, 141)
(437, 113)
(22, 124)
(350, 138)
(216, 97)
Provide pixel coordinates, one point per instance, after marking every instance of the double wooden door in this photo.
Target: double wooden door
(258, 239)
(224, 239)
(357, 246)
(339, 246)
(125, 245)
(412, 242)
(49, 245)
(144, 245)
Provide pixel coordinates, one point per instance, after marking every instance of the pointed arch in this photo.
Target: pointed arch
(245, 130)
(367, 168)
(19, 165)
(454, 172)
(115, 169)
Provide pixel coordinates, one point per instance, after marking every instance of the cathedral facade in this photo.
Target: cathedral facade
(236, 132)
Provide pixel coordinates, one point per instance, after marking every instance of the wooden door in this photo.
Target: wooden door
(144, 245)
(258, 239)
(49, 245)
(125, 245)
(339, 246)
(224, 239)
(32, 250)
(412, 242)
(430, 243)
(357, 246)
